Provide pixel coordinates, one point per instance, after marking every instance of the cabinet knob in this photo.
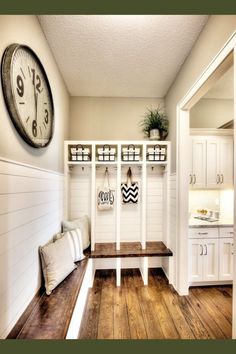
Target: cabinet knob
(202, 233)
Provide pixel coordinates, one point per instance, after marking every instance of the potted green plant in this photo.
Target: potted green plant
(155, 124)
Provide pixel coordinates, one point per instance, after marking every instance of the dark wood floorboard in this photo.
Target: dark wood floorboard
(156, 311)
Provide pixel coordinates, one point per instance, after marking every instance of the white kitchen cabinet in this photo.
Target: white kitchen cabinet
(203, 260)
(219, 161)
(212, 162)
(226, 162)
(226, 258)
(197, 177)
(210, 259)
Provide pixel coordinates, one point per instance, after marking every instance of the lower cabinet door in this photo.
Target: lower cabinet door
(195, 260)
(226, 258)
(210, 259)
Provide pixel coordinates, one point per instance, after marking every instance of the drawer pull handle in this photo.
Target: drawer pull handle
(202, 233)
(191, 179)
(221, 179)
(231, 232)
(201, 253)
(205, 254)
(217, 178)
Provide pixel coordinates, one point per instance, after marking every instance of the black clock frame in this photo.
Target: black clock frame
(6, 65)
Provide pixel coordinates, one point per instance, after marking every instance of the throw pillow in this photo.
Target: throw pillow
(81, 223)
(57, 262)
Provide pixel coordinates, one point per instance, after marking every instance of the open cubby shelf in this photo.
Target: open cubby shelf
(139, 230)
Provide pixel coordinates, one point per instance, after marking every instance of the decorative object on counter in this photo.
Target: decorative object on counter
(80, 153)
(130, 189)
(105, 197)
(106, 153)
(131, 153)
(156, 153)
(206, 215)
(155, 124)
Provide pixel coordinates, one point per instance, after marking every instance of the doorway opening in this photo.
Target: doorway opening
(190, 105)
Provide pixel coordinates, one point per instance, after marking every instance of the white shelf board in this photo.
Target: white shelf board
(79, 162)
(131, 162)
(156, 162)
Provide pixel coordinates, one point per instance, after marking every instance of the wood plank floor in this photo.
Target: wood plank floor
(156, 311)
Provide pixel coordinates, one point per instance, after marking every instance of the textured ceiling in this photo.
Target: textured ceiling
(121, 55)
(224, 87)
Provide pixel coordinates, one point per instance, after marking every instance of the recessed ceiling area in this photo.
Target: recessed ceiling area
(121, 55)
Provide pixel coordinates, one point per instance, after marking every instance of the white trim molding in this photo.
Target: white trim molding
(218, 66)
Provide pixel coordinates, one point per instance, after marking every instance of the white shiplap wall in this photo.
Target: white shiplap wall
(105, 221)
(31, 209)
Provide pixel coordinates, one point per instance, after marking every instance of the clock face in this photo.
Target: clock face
(28, 95)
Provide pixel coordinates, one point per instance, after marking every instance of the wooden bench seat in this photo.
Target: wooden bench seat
(130, 249)
(48, 317)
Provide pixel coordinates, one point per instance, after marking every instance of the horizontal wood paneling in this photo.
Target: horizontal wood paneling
(154, 204)
(80, 198)
(31, 210)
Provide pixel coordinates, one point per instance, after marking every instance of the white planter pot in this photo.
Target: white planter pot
(154, 134)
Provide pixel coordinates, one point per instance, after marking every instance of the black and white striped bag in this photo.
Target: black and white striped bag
(130, 189)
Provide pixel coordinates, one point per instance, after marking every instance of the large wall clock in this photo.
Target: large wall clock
(28, 95)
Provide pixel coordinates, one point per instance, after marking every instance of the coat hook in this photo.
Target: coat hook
(82, 168)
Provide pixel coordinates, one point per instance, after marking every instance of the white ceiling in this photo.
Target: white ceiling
(121, 55)
(224, 87)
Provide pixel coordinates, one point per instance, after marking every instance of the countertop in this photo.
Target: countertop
(202, 223)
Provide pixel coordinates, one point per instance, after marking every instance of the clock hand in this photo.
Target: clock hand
(35, 103)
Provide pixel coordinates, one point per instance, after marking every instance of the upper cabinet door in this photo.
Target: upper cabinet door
(226, 162)
(213, 173)
(198, 162)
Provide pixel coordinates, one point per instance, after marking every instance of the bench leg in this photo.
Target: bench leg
(144, 269)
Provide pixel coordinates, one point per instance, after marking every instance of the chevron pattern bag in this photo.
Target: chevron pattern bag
(130, 189)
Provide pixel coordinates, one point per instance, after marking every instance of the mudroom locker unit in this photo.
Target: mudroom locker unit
(128, 235)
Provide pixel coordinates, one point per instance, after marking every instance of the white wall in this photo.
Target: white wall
(31, 209)
(216, 32)
(108, 118)
(211, 113)
(31, 198)
(27, 30)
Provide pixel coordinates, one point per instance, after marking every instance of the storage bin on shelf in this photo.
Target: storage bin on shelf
(157, 153)
(79, 153)
(130, 153)
(106, 153)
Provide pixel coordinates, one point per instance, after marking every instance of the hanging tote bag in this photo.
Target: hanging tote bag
(129, 190)
(105, 197)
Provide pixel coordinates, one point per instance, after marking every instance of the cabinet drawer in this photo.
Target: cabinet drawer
(226, 232)
(203, 232)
